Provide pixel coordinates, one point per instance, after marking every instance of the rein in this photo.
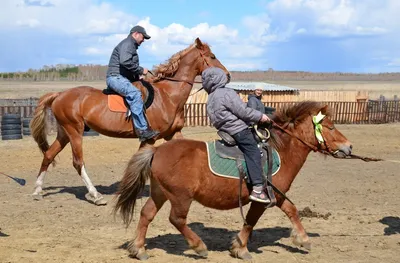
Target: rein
(184, 80)
(177, 80)
(315, 149)
(181, 80)
(365, 159)
(329, 151)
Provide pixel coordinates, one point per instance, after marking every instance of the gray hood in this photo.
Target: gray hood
(213, 78)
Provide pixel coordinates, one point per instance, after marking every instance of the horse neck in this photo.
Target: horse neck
(180, 90)
(293, 157)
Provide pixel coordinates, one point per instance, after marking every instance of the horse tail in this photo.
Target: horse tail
(38, 123)
(132, 184)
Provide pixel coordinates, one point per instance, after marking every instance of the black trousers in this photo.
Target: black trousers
(248, 145)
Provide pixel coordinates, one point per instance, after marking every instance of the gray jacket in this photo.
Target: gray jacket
(255, 103)
(124, 60)
(225, 109)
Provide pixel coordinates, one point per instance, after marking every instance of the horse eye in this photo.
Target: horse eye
(212, 56)
(331, 128)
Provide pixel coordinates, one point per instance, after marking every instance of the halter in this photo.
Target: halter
(317, 120)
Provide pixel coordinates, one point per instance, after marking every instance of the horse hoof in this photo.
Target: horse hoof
(100, 201)
(300, 242)
(246, 256)
(241, 255)
(97, 201)
(307, 245)
(202, 253)
(37, 197)
(142, 256)
(135, 252)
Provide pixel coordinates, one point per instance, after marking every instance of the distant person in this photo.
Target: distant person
(230, 114)
(254, 100)
(123, 69)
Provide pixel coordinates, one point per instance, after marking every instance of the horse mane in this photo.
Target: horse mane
(291, 116)
(169, 67)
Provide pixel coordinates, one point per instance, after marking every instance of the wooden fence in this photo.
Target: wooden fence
(371, 112)
(291, 96)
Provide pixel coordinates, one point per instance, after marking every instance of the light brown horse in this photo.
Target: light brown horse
(80, 106)
(179, 172)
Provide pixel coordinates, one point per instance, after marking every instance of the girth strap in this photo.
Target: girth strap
(242, 175)
(268, 176)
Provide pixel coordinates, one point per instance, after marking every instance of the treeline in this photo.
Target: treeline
(59, 73)
(272, 75)
(98, 72)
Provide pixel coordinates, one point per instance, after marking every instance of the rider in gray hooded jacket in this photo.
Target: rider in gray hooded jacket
(230, 114)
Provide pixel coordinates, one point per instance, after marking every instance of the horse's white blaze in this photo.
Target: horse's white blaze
(85, 177)
(39, 183)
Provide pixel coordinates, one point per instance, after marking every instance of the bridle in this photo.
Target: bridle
(327, 150)
(323, 146)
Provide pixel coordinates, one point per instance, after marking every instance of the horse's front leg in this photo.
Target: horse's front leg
(299, 235)
(239, 243)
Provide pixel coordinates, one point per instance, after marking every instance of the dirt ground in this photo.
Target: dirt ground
(354, 208)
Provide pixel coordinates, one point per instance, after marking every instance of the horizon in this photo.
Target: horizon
(328, 36)
(66, 66)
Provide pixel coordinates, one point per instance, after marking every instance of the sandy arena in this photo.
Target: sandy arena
(355, 205)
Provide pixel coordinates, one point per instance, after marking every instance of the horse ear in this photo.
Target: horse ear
(198, 43)
(325, 109)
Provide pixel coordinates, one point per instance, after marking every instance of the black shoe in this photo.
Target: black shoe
(147, 134)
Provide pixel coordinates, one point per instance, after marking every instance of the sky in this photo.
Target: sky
(306, 35)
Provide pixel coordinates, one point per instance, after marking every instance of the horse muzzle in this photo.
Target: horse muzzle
(343, 151)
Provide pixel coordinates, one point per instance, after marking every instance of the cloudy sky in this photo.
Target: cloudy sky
(309, 35)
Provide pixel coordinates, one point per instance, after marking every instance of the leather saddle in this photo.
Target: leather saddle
(144, 86)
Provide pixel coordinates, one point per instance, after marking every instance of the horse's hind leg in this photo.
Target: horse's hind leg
(299, 235)
(239, 243)
(75, 137)
(48, 157)
(179, 211)
(152, 206)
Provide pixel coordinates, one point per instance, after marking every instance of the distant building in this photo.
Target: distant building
(274, 93)
(269, 90)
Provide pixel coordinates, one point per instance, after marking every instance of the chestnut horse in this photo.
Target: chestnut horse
(80, 106)
(179, 172)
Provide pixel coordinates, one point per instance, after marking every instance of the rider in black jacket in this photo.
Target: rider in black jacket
(123, 69)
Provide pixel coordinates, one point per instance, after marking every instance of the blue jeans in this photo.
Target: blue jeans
(133, 96)
(248, 145)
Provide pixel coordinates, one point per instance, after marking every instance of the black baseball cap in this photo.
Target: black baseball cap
(140, 29)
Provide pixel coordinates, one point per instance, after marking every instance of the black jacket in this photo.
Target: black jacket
(255, 103)
(124, 60)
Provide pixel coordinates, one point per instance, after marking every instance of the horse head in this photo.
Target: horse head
(310, 122)
(207, 58)
(329, 138)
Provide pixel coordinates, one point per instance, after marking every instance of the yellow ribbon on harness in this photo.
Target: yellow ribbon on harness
(318, 126)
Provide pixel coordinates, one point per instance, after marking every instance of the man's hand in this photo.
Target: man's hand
(145, 71)
(265, 118)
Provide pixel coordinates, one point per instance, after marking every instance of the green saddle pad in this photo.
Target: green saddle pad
(226, 167)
